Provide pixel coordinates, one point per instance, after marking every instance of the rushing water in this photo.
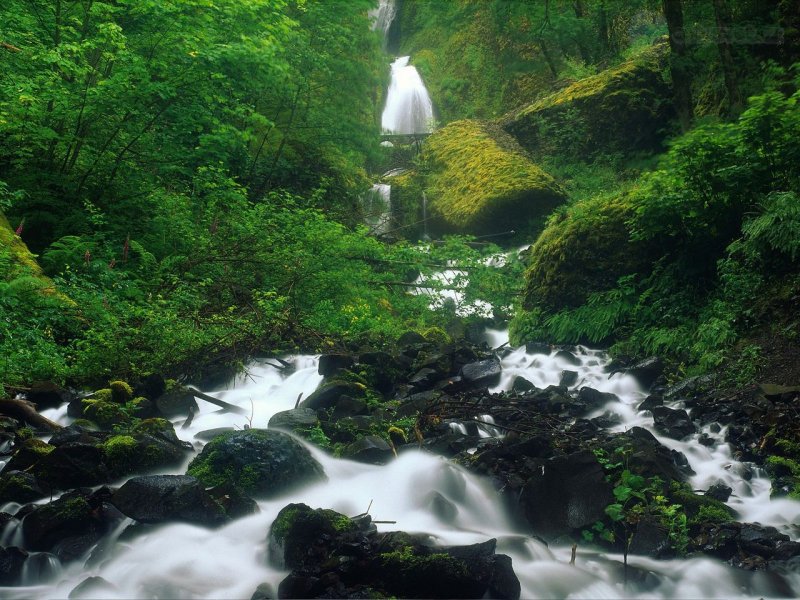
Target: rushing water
(186, 561)
(377, 206)
(408, 108)
(382, 17)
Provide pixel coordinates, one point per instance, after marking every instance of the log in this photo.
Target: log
(9, 47)
(227, 406)
(26, 411)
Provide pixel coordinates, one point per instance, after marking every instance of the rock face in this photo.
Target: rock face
(481, 181)
(672, 422)
(566, 494)
(263, 463)
(160, 498)
(623, 109)
(332, 556)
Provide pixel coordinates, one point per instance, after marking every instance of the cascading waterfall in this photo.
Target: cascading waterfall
(377, 206)
(382, 17)
(409, 109)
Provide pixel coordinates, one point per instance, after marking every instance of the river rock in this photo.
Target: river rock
(719, 491)
(483, 373)
(595, 399)
(161, 498)
(263, 463)
(93, 587)
(647, 371)
(565, 494)
(651, 402)
(369, 449)
(331, 555)
(569, 358)
(327, 394)
(12, 562)
(46, 394)
(537, 348)
(329, 364)
(568, 378)
(21, 487)
(295, 419)
(521, 384)
(674, 423)
(73, 464)
(177, 402)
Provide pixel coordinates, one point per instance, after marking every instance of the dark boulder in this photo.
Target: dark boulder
(327, 394)
(161, 498)
(651, 402)
(369, 449)
(565, 493)
(233, 501)
(329, 364)
(21, 487)
(650, 539)
(46, 394)
(151, 387)
(411, 338)
(674, 423)
(569, 358)
(263, 463)
(425, 378)
(647, 371)
(93, 587)
(73, 464)
(719, 491)
(12, 562)
(521, 384)
(568, 378)
(483, 373)
(649, 457)
(595, 399)
(177, 402)
(537, 348)
(296, 419)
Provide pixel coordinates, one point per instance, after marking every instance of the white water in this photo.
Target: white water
(408, 106)
(382, 17)
(185, 561)
(377, 206)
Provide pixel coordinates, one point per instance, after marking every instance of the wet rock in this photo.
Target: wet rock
(418, 402)
(349, 407)
(522, 385)
(77, 433)
(263, 592)
(706, 440)
(569, 358)
(332, 556)
(151, 387)
(760, 540)
(651, 402)
(441, 507)
(263, 463)
(647, 371)
(73, 464)
(68, 527)
(327, 394)
(537, 348)
(161, 498)
(719, 491)
(28, 454)
(692, 387)
(650, 539)
(483, 373)
(329, 364)
(46, 394)
(568, 378)
(296, 419)
(21, 487)
(233, 501)
(424, 378)
(595, 399)
(565, 493)
(12, 562)
(177, 402)
(369, 449)
(93, 587)
(649, 457)
(674, 423)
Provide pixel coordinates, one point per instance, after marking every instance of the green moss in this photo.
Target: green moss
(104, 414)
(693, 503)
(480, 180)
(711, 514)
(398, 433)
(153, 426)
(283, 522)
(583, 249)
(437, 335)
(780, 466)
(104, 395)
(405, 562)
(622, 109)
(120, 450)
(121, 392)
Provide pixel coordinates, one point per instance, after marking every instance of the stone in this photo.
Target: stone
(565, 494)
(537, 348)
(595, 399)
(483, 373)
(93, 587)
(46, 394)
(521, 385)
(21, 487)
(262, 462)
(330, 364)
(294, 419)
(164, 498)
(674, 423)
(369, 449)
(647, 371)
(52, 526)
(568, 378)
(327, 394)
(12, 562)
(569, 358)
(178, 402)
(651, 402)
(719, 491)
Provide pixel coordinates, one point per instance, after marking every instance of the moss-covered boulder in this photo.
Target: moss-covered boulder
(583, 249)
(19, 486)
(623, 109)
(263, 463)
(480, 181)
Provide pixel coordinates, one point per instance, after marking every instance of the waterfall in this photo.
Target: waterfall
(408, 106)
(377, 207)
(425, 235)
(382, 17)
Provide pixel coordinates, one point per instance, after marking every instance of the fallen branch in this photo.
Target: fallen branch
(26, 411)
(227, 406)
(9, 47)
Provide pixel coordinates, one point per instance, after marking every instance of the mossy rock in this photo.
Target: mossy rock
(624, 109)
(480, 181)
(18, 486)
(104, 414)
(121, 392)
(700, 508)
(28, 454)
(583, 249)
(139, 453)
(262, 463)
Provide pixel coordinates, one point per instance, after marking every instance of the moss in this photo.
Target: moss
(710, 514)
(481, 181)
(18, 487)
(104, 414)
(436, 335)
(397, 434)
(153, 427)
(121, 392)
(104, 395)
(405, 562)
(283, 522)
(622, 109)
(120, 451)
(693, 503)
(780, 466)
(22, 263)
(584, 249)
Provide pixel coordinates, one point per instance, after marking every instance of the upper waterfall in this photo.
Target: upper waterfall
(382, 17)
(408, 106)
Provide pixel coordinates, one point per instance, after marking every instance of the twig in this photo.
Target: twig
(221, 403)
(574, 551)
(300, 395)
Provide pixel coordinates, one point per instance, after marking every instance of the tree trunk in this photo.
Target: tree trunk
(723, 18)
(26, 411)
(679, 63)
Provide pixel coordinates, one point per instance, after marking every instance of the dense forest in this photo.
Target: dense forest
(185, 186)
